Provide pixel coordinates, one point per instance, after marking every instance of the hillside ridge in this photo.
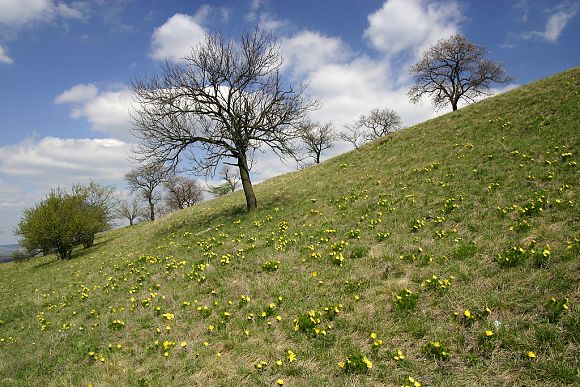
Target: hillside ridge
(443, 254)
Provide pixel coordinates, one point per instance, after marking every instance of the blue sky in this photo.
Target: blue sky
(65, 67)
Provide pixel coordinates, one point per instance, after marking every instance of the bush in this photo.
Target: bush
(59, 223)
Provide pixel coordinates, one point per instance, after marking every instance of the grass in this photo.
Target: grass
(212, 295)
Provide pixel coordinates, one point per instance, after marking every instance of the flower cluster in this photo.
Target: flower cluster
(356, 363)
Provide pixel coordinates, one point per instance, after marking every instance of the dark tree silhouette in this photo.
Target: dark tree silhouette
(454, 69)
(317, 138)
(221, 104)
(182, 192)
(145, 180)
(368, 127)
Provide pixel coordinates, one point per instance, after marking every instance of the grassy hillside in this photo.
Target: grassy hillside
(447, 252)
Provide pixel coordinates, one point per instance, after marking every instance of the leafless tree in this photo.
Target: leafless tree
(368, 127)
(454, 69)
(353, 134)
(317, 138)
(221, 104)
(182, 192)
(231, 181)
(128, 209)
(145, 180)
(231, 177)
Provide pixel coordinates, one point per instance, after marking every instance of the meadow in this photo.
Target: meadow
(445, 254)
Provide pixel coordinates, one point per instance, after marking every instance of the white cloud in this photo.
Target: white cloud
(31, 168)
(174, 39)
(18, 13)
(411, 25)
(308, 50)
(556, 24)
(77, 94)
(4, 58)
(54, 161)
(106, 111)
(557, 21)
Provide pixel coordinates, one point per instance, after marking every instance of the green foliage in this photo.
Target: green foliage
(189, 319)
(59, 223)
(356, 363)
(555, 307)
(219, 190)
(405, 300)
(436, 349)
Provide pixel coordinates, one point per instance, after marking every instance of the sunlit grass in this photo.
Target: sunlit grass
(445, 254)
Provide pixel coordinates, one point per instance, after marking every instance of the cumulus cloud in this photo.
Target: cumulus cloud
(4, 58)
(77, 94)
(32, 167)
(411, 25)
(308, 50)
(18, 13)
(558, 19)
(53, 161)
(106, 110)
(174, 39)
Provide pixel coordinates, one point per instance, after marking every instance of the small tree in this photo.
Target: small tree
(225, 100)
(145, 180)
(368, 127)
(181, 192)
(99, 201)
(454, 69)
(128, 209)
(316, 138)
(97, 195)
(231, 181)
(58, 224)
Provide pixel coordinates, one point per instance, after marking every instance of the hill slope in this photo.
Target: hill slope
(485, 199)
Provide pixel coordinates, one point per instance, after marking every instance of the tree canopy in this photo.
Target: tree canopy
(59, 223)
(454, 69)
(224, 101)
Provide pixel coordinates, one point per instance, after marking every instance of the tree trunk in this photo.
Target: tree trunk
(151, 210)
(454, 105)
(251, 203)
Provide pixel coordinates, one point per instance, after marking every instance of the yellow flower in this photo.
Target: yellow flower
(531, 355)
(183, 344)
(279, 362)
(467, 313)
(341, 364)
(373, 335)
(489, 333)
(291, 356)
(280, 382)
(367, 362)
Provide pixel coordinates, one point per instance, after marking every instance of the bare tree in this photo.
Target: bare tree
(128, 209)
(368, 127)
(317, 138)
(231, 181)
(145, 180)
(379, 123)
(454, 69)
(181, 192)
(221, 104)
(354, 135)
(231, 177)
